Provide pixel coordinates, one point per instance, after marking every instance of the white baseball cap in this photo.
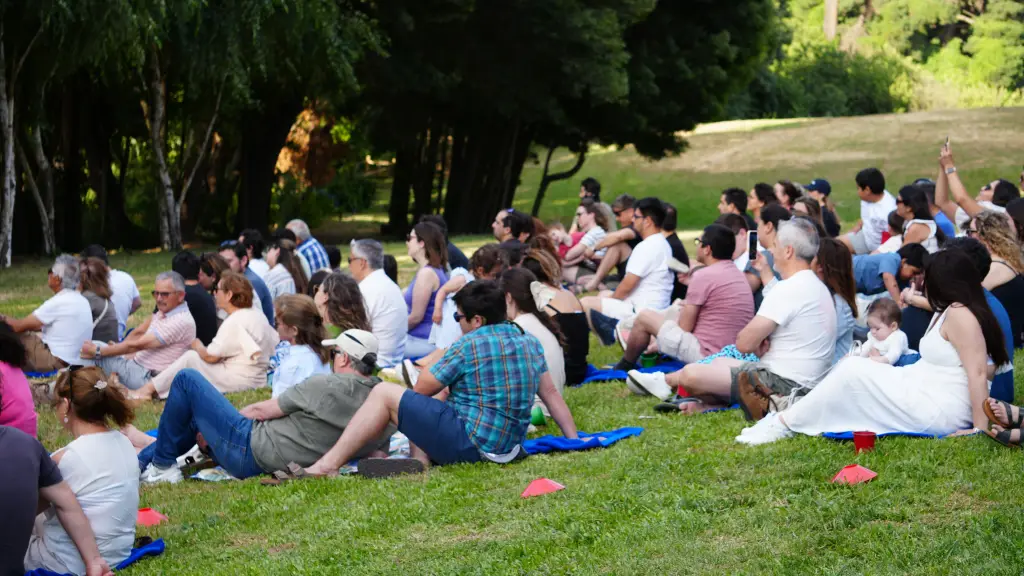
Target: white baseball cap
(358, 344)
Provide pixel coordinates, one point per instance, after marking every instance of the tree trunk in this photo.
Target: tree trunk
(831, 19)
(45, 207)
(398, 210)
(69, 208)
(546, 179)
(170, 222)
(264, 132)
(445, 163)
(7, 131)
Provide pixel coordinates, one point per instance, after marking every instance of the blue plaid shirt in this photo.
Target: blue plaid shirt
(493, 374)
(315, 254)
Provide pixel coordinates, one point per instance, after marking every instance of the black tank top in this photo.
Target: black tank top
(577, 344)
(1011, 296)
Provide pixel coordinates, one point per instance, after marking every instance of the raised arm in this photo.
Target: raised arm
(956, 186)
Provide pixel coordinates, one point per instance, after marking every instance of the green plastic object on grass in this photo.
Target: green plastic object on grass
(537, 416)
(648, 360)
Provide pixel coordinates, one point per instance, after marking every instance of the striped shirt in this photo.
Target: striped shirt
(315, 254)
(175, 330)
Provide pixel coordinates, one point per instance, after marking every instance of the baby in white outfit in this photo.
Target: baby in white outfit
(886, 342)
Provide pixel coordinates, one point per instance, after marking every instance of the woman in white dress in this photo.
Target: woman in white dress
(941, 394)
(101, 468)
(919, 225)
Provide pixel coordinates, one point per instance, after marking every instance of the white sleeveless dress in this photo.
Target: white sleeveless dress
(931, 244)
(929, 397)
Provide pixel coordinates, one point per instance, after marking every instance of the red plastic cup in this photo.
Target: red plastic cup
(863, 441)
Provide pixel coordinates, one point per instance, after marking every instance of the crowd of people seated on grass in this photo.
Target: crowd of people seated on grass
(907, 322)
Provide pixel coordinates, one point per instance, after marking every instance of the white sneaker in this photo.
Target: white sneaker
(156, 475)
(194, 454)
(410, 373)
(767, 430)
(653, 384)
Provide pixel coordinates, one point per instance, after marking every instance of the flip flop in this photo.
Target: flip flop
(1005, 437)
(294, 472)
(1011, 421)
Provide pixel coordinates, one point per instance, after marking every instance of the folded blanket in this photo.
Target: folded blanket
(596, 375)
(550, 443)
(154, 548)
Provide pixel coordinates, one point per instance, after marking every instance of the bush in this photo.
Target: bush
(348, 191)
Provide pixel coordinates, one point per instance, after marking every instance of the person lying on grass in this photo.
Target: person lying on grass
(298, 426)
(880, 273)
(489, 376)
(793, 334)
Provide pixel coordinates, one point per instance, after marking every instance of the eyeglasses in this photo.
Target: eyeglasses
(217, 289)
(899, 200)
(699, 241)
(458, 317)
(971, 232)
(352, 259)
(638, 216)
(617, 212)
(162, 294)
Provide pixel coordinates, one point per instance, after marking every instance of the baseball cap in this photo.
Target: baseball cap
(358, 344)
(819, 185)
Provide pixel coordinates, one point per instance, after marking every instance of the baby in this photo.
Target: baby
(886, 342)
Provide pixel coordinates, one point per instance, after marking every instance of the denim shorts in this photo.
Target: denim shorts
(436, 428)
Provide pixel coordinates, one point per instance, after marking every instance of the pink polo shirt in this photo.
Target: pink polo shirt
(175, 330)
(16, 410)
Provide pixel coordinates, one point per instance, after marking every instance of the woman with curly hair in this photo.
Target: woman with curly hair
(341, 305)
(95, 286)
(998, 234)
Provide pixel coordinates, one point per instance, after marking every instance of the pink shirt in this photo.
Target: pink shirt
(16, 410)
(726, 305)
(175, 330)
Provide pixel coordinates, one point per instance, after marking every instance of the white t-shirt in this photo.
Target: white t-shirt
(553, 354)
(389, 317)
(259, 266)
(875, 217)
(123, 293)
(961, 216)
(67, 323)
(103, 472)
(742, 261)
(803, 343)
(893, 244)
(892, 348)
(592, 237)
(298, 362)
(649, 261)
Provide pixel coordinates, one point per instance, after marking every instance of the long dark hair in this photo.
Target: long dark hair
(950, 277)
(434, 246)
(91, 401)
(915, 198)
(12, 351)
(516, 283)
(286, 257)
(837, 269)
(345, 305)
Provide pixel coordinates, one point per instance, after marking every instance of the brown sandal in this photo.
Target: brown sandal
(294, 472)
(1011, 422)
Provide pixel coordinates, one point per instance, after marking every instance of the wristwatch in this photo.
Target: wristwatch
(950, 170)
(96, 356)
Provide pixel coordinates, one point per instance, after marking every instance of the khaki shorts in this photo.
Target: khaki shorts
(782, 388)
(678, 343)
(860, 245)
(37, 354)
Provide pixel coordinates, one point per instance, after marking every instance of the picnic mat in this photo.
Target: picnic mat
(849, 435)
(154, 548)
(596, 375)
(549, 443)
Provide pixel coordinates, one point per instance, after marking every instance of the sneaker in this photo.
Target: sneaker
(410, 373)
(767, 430)
(653, 384)
(604, 327)
(157, 475)
(752, 396)
(388, 467)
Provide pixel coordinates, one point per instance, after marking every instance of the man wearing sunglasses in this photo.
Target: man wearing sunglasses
(489, 377)
(161, 340)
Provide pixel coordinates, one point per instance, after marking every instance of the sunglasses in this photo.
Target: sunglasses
(699, 241)
(618, 212)
(458, 317)
(899, 200)
(161, 294)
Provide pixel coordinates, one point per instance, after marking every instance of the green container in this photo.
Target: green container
(648, 360)
(537, 416)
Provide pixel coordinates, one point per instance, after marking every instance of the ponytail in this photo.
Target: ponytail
(93, 397)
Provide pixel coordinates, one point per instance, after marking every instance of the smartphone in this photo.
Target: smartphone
(752, 237)
(947, 141)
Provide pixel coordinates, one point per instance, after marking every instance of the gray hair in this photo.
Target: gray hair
(66, 268)
(371, 250)
(176, 279)
(300, 228)
(801, 235)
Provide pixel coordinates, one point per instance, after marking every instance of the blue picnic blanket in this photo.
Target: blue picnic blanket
(550, 443)
(849, 435)
(154, 548)
(40, 374)
(596, 375)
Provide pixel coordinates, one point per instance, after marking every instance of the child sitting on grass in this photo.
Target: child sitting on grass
(886, 342)
(895, 240)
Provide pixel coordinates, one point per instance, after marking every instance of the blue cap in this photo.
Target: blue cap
(819, 185)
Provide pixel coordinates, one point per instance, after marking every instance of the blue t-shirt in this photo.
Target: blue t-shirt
(261, 290)
(942, 221)
(868, 270)
(1002, 382)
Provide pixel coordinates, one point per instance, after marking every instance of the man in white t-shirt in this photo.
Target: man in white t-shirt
(385, 305)
(53, 334)
(648, 280)
(793, 334)
(993, 196)
(875, 205)
(254, 246)
(124, 293)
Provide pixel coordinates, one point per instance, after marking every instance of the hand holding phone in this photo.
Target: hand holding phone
(752, 248)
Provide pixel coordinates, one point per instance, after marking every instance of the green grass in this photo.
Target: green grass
(682, 498)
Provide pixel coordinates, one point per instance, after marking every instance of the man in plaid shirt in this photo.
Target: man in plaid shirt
(310, 248)
(489, 377)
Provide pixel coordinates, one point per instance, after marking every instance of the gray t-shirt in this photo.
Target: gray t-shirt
(106, 329)
(317, 410)
(26, 468)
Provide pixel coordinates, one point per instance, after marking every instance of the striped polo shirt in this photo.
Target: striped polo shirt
(175, 330)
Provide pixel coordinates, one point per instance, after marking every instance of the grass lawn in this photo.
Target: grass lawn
(682, 498)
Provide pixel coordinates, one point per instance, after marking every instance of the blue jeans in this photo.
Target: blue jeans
(194, 405)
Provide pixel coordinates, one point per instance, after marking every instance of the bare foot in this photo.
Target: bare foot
(138, 438)
(697, 407)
